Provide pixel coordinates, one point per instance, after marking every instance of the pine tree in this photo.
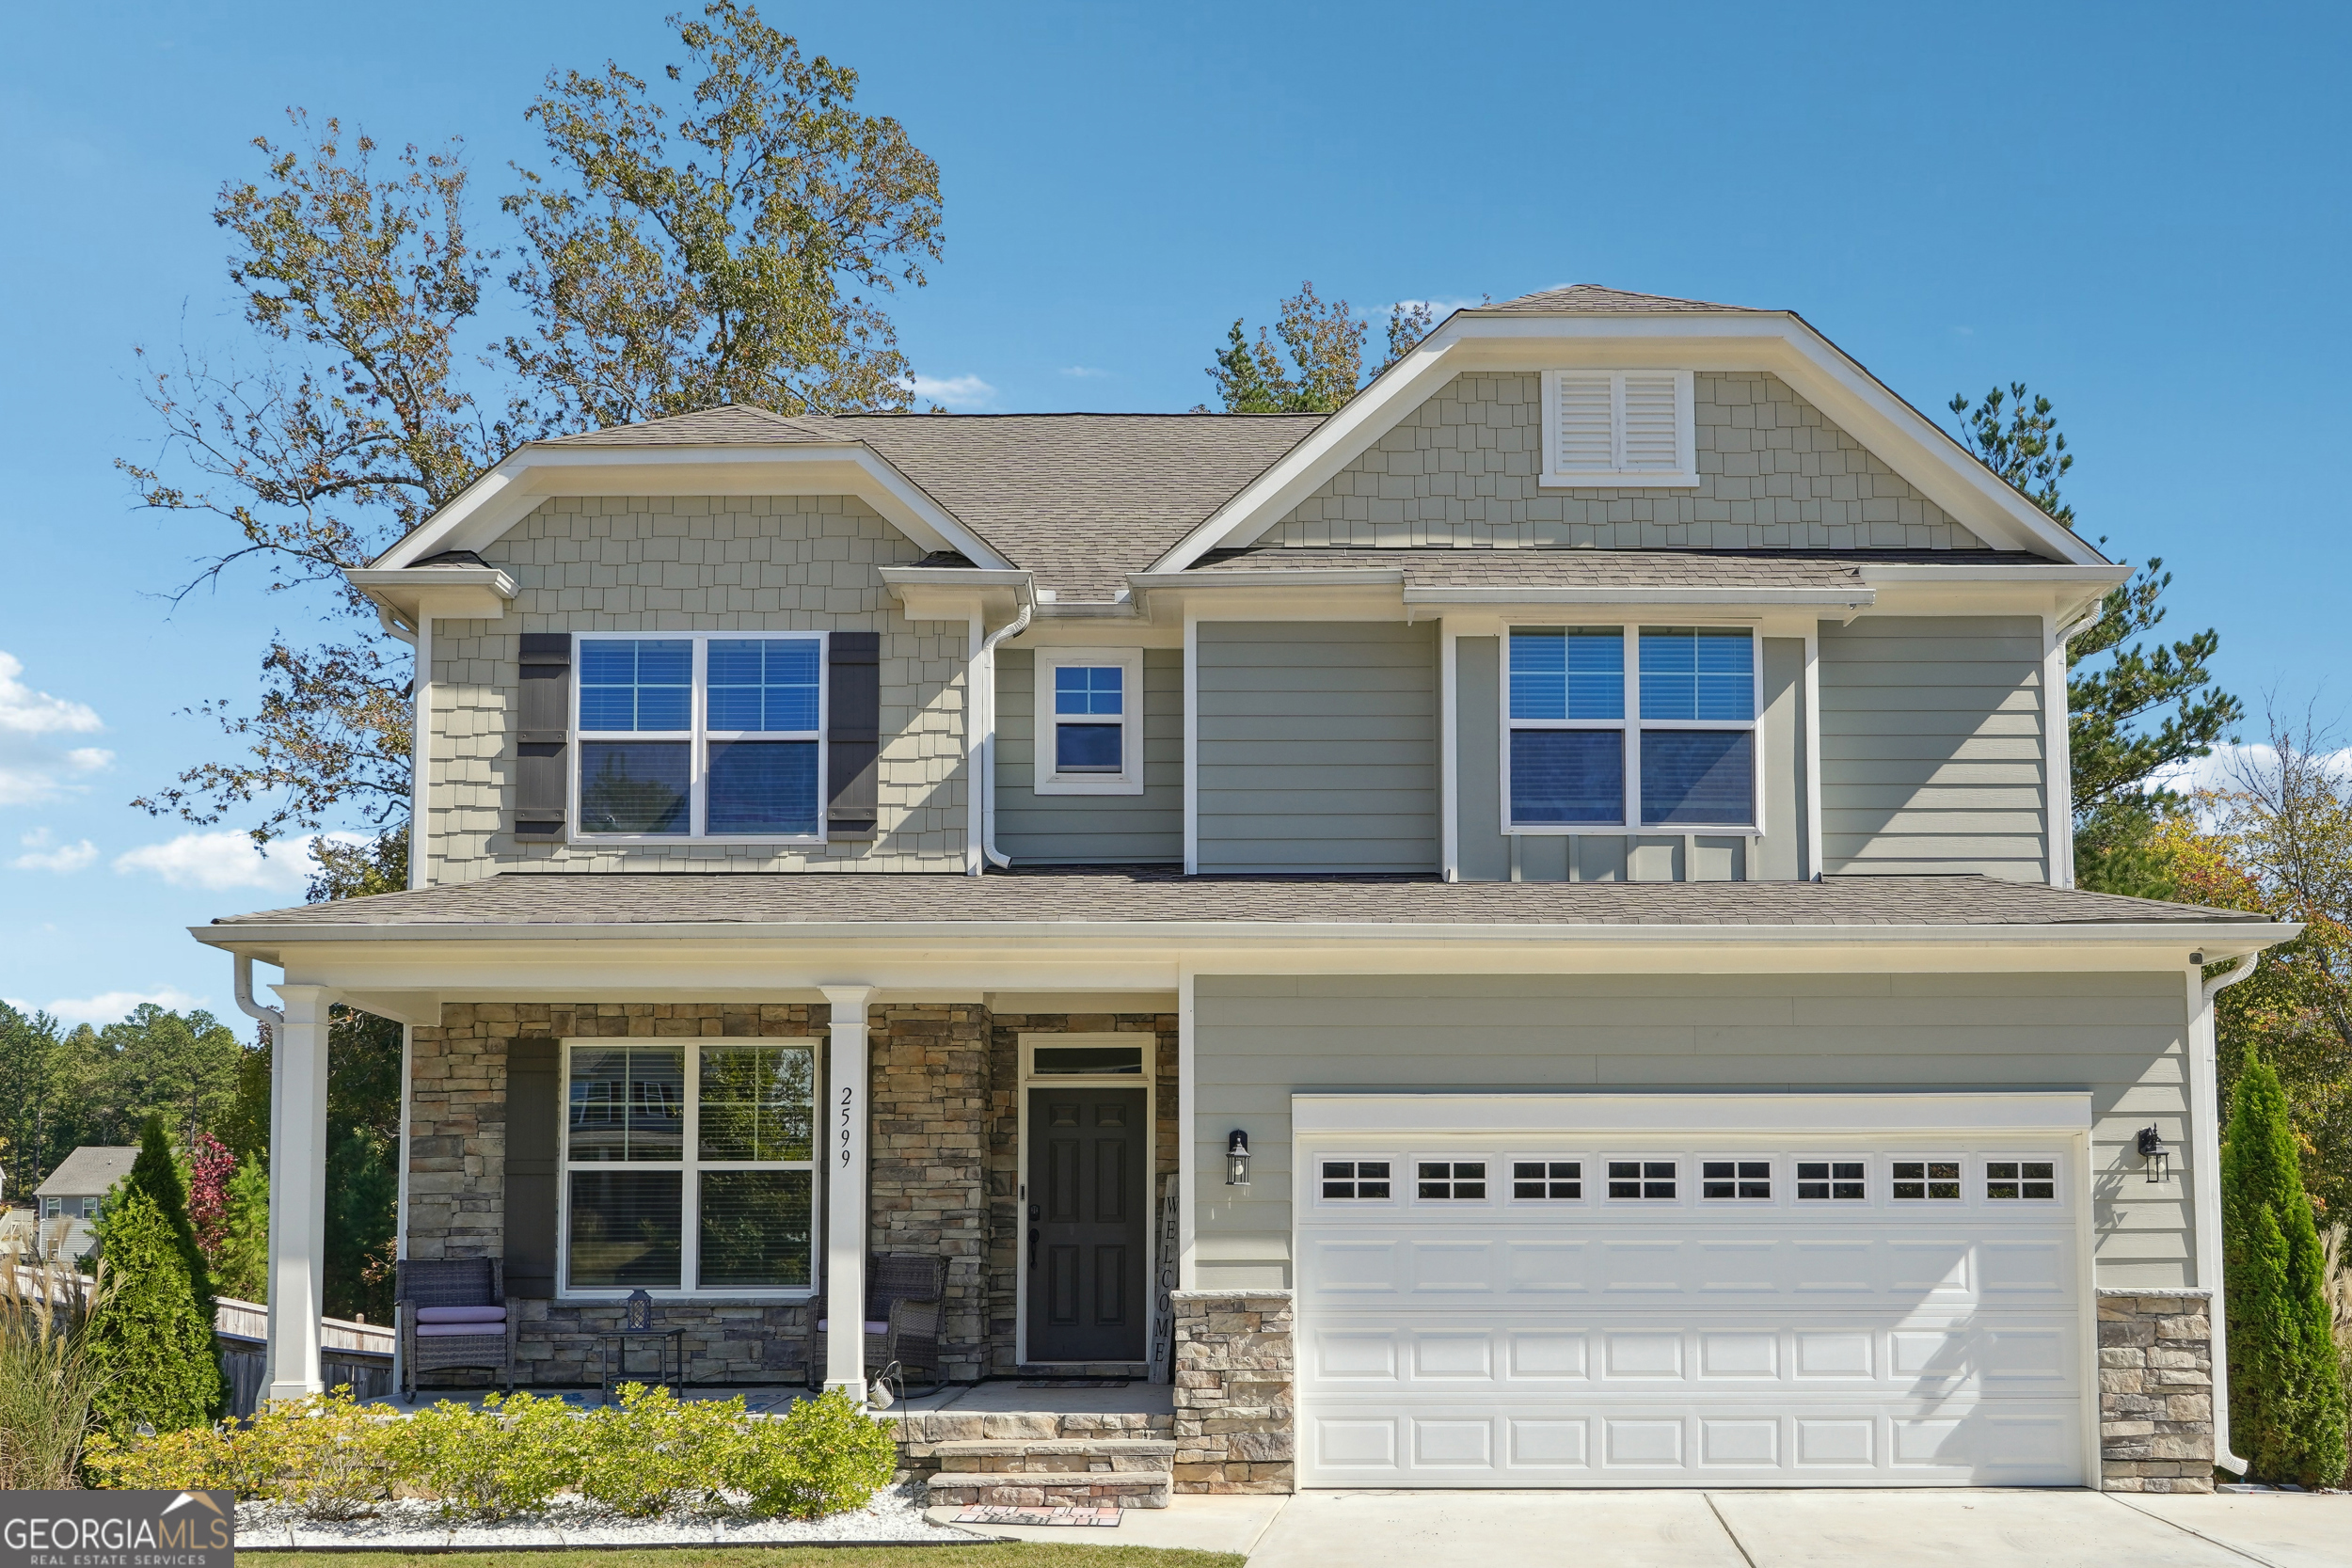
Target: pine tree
(148, 1335)
(2286, 1383)
(156, 1173)
(243, 1267)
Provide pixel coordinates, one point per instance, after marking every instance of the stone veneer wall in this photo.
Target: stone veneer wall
(926, 1191)
(2155, 1391)
(1004, 1147)
(1773, 473)
(1235, 1397)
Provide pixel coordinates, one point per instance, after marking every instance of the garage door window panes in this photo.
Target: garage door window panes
(1546, 1180)
(1647, 1179)
(1447, 1179)
(1929, 1180)
(1831, 1182)
(2034, 1179)
(1354, 1181)
(1736, 1179)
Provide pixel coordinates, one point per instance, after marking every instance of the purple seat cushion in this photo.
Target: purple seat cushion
(461, 1314)
(870, 1328)
(450, 1331)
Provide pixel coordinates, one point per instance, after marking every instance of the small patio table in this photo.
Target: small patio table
(617, 1358)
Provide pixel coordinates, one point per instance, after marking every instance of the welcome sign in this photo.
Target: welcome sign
(118, 1529)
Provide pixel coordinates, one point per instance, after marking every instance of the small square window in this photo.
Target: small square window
(1356, 1179)
(1546, 1179)
(2021, 1179)
(1736, 1179)
(1932, 1181)
(1451, 1179)
(1831, 1181)
(1641, 1178)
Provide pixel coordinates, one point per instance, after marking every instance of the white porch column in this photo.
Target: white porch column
(843, 1129)
(297, 1191)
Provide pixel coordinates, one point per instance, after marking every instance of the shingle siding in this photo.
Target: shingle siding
(1773, 473)
(697, 564)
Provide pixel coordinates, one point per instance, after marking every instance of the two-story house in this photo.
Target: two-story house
(1539, 901)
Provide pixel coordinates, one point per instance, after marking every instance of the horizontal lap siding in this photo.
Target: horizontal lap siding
(1091, 829)
(1318, 746)
(2120, 1037)
(1932, 746)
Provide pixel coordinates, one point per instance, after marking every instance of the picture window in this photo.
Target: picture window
(1451, 1179)
(1736, 1179)
(1831, 1181)
(2021, 1179)
(1548, 1179)
(1641, 1178)
(1355, 1179)
(1932, 1181)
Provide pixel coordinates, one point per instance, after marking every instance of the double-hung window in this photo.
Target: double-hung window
(687, 1168)
(711, 736)
(1090, 722)
(1685, 759)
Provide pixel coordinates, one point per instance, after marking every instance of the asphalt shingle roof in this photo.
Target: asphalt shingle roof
(90, 1171)
(1592, 298)
(1156, 895)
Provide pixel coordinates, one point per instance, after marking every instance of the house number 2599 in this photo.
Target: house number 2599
(847, 1095)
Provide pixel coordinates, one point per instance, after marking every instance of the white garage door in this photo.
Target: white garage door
(1643, 1310)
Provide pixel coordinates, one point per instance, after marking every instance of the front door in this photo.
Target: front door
(1085, 1240)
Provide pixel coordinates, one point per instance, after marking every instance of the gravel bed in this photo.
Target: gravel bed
(896, 1514)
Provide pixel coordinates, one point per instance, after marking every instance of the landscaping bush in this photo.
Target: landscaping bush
(507, 1458)
(327, 1455)
(194, 1459)
(652, 1453)
(48, 1377)
(2286, 1387)
(825, 1457)
(148, 1333)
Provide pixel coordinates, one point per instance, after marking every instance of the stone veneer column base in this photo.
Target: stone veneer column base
(2155, 1391)
(1235, 1402)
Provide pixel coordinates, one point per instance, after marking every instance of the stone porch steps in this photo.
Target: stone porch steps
(1124, 1472)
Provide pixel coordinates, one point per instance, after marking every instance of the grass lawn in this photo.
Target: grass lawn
(1007, 1554)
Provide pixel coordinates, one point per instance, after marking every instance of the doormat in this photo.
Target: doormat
(1107, 1518)
(1075, 1383)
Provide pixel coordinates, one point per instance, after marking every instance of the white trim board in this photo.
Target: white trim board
(1847, 1114)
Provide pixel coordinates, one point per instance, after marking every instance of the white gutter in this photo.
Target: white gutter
(2204, 1088)
(983, 682)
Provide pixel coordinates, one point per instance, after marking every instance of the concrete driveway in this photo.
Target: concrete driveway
(1974, 1529)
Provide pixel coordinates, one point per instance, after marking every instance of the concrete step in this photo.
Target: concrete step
(1065, 1456)
(1050, 1489)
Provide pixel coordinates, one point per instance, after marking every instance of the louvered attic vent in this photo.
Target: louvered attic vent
(1622, 429)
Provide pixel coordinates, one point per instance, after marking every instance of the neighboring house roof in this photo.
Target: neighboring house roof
(90, 1171)
(1154, 896)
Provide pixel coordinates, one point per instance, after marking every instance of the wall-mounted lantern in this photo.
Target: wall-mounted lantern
(2158, 1158)
(1237, 1159)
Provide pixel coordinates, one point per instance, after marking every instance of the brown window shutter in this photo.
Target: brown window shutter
(853, 732)
(534, 1083)
(543, 735)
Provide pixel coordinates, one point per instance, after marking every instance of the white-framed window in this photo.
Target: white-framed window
(1619, 429)
(688, 1167)
(1631, 728)
(686, 736)
(1834, 1180)
(2020, 1181)
(1090, 722)
(1925, 1181)
(1352, 1178)
(1644, 1181)
(1736, 1180)
(1543, 1178)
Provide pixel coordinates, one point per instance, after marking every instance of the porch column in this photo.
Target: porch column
(844, 1137)
(297, 1191)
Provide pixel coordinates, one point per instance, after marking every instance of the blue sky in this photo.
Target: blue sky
(2139, 210)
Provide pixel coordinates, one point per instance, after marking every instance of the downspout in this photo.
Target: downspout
(2205, 1086)
(421, 738)
(273, 1017)
(984, 690)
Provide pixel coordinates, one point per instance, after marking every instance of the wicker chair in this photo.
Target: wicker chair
(455, 1282)
(905, 1310)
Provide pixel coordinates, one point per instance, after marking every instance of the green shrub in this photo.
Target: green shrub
(327, 1455)
(507, 1458)
(148, 1333)
(825, 1457)
(652, 1453)
(194, 1459)
(2286, 1387)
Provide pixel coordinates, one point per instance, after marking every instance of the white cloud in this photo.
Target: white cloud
(227, 859)
(64, 859)
(114, 1006)
(1084, 373)
(953, 391)
(33, 766)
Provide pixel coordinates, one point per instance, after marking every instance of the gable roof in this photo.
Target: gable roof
(1593, 298)
(90, 1171)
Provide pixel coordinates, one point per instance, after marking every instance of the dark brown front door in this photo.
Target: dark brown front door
(1089, 1153)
